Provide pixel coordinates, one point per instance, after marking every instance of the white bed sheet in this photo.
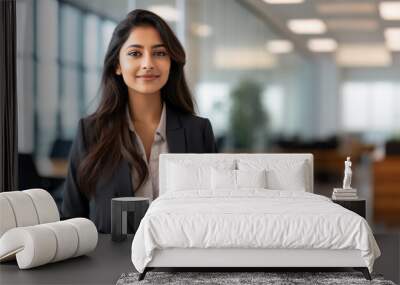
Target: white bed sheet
(252, 218)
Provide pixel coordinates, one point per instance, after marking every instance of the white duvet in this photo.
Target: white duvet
(253, 218)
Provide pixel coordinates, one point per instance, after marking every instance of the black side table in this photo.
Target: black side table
(358, 206)
(119, 213)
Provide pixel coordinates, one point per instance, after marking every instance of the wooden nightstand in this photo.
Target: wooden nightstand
(358, 206)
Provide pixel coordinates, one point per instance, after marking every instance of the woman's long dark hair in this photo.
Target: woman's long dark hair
(111, 140)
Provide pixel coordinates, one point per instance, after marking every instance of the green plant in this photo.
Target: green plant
(395, 136)
(248, 118)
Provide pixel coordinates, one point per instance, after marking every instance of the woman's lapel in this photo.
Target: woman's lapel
(175, 132)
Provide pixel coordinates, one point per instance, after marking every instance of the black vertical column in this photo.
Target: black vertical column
(8, 98)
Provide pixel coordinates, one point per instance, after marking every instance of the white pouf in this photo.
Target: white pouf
(7, 220)
(45, 205)
(26, 208)
(37, 245)
(23, 209)
(87, 234)
(31, 231)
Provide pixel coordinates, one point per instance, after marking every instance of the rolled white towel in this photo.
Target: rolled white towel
(67, 240)
(45, 205)
(32, 246)
(87, 235)
(7, 218)
(26, 208)
(23, 208)
(40, 244)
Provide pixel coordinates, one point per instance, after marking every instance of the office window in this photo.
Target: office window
(46, 75)
(91, 61)
(70, 48)
(371, 107)
(107, 28)
(25, 84)
(60, 53)
(213, 101)
(274, 104)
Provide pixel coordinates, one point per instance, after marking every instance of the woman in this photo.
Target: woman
(146, 109)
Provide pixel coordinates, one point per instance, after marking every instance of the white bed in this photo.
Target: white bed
(204, 221)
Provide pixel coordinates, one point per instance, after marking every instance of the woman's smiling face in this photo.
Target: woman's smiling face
(144, 62)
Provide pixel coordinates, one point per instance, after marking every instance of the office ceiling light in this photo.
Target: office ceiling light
(322, 45)
(243, 58)
(283, 1)
(201, 30)
(346, 8)
(307, 26)
(279, 46)
(351, 25)
(373, 55)
(168, 13)
(392, 36)
(390, 10)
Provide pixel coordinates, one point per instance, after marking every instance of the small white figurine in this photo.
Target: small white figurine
(347, 174)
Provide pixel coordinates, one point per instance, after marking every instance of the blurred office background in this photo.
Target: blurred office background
(272, 76)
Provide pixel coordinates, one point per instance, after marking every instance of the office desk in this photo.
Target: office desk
(102, 266)
(52, 168)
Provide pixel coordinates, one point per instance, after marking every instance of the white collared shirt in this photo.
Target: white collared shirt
(150, 187)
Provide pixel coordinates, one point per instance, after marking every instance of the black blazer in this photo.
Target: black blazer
(185, 134)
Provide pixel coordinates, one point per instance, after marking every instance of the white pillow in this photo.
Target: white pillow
(251, 178)
(193, 174)
(181, 178)
(223, 179)
(281, 174)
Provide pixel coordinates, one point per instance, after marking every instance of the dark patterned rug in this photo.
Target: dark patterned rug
(229, 278)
